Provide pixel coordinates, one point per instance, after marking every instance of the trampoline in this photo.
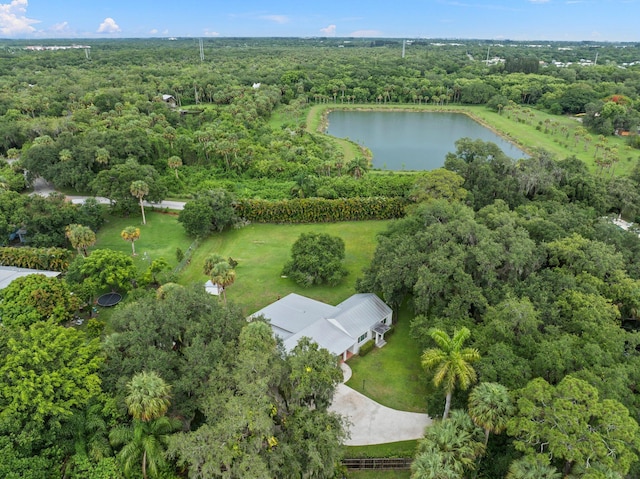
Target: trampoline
(109, 299)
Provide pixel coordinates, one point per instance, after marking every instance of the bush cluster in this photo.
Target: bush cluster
(318, 210)
(366, 348)
(53, 259)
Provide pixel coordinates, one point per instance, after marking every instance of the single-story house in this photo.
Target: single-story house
(341, 329)
(9, 273)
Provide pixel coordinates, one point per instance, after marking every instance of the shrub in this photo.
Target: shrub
(366, 348)
(316, 258)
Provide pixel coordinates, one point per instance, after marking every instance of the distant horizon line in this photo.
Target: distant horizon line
(319, 37)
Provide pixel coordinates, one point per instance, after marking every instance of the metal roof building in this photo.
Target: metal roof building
(340, 329)
(9, 273)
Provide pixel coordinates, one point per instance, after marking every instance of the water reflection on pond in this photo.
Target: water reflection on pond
(402, 140)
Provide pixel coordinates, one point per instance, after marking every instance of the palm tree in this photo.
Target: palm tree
(221, 273)
(450, 363)
(174, 162)
(357, 166)
(143, 444)
(81, 237)
(432, 466)
(102, 156)
(65, 155)
(147, 401)
(148, 396)
(131, 233)
(140, 189)
(490, 407)
(456, 443)
(532, 468)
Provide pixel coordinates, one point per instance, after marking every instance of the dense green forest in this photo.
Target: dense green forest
(520, 261)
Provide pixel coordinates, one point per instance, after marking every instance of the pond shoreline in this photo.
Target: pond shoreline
(318, 121)
(321, 114)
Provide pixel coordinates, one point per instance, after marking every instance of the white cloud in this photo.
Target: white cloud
(209, 33)
(281, 19)
(539, 1)
(366, 33)
(60, 27)
(109, 25)
(329, 31)
(153, 31)
(13, 20)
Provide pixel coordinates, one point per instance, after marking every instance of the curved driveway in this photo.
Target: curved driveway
(373, 423)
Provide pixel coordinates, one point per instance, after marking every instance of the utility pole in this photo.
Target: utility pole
(201, 50)
(404, 43)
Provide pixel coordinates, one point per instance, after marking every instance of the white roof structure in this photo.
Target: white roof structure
(335, 328)
(9, 273)
(213, 289)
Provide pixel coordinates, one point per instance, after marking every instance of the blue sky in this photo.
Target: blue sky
(599, 20)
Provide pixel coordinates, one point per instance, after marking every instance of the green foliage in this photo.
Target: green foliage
(570, 423)
(450, 448)
(115, 184)
(450, 363)
(81, 237)
(366, 348)
(317, 210)
(211, 211)
(148, 396)
(52, 259)
(316, 258)
(44, 219)
(36, 297)
(258, 424)
(48, 371)
(183, 334)
(109, 268)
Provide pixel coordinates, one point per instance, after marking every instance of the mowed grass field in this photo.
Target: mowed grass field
(393, 375)
(261, 251)
(159, 238)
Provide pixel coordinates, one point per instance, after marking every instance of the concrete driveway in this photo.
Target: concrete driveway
(373, 423)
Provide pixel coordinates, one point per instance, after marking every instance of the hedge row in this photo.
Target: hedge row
(318, 210)
(52, 259)
(366, 348)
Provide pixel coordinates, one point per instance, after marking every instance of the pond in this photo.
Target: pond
(402, 140)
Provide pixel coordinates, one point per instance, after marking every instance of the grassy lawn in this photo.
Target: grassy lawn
(392, 449)
(379, 475)
(262, 250)
(392, 375)
(159, 238)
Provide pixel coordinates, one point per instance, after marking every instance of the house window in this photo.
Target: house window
(363, 337)
(384, 321)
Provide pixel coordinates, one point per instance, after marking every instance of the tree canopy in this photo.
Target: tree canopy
(316, 258)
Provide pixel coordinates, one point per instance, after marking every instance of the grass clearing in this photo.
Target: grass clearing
(393, 375)
(159, 238)
(261, 251)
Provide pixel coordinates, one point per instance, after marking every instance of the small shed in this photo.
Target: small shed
(213, 289)
(170, 100)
